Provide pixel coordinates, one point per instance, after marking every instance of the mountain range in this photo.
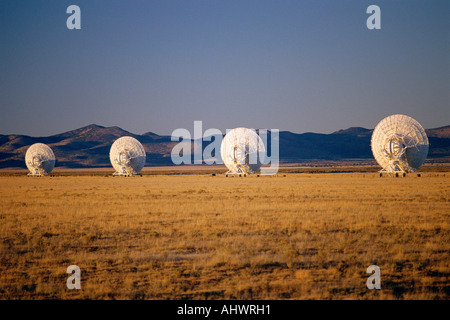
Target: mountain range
(88, 147)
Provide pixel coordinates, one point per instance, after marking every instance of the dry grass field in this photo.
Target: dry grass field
(291, 236)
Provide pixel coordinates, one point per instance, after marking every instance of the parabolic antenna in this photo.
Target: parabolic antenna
(399, 144)
(127, 156)
(239, 151)
(40, 159)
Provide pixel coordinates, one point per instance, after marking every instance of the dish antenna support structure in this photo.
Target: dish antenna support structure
(240, 150)
(399, 144)
(40, 160)
(127, 156)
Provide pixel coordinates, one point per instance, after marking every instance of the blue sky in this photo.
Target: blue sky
(302, 66)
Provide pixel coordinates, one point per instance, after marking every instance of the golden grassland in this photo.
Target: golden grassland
(313, 167)
(290, 236)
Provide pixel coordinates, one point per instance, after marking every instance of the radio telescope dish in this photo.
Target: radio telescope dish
(127, 156)
(40, 159)
(399, 144)
(239, 151)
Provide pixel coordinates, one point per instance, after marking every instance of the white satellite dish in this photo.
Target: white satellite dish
(240, 151)
(127, 156)
(399, 144)
(40, 159)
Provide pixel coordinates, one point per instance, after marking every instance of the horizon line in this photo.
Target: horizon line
(163, 135)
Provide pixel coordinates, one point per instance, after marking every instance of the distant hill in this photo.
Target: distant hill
(356, 131)
(89, 146)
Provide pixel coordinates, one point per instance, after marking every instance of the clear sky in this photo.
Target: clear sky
(302, 66)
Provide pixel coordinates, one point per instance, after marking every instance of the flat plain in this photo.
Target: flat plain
(198, 236)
